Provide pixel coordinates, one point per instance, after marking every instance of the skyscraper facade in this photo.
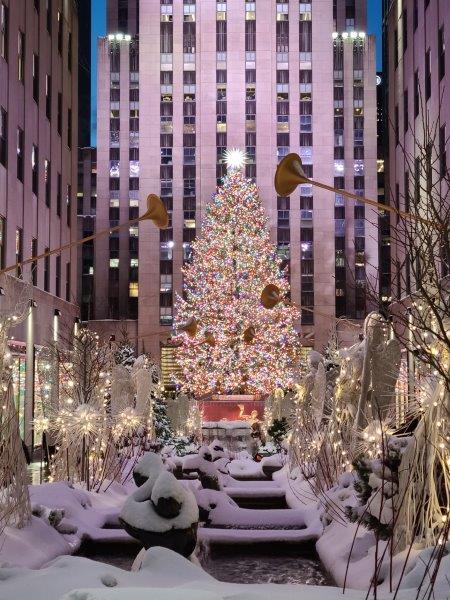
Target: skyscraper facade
(269, 78)
(38, 171)
(417, 112)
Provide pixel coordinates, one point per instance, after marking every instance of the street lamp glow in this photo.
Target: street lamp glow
(235, 159)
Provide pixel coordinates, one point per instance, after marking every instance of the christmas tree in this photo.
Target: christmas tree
(161, 422)
(240, 347)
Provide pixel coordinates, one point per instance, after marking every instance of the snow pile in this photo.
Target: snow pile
(163, 575)
(248, 469)
(76, 514)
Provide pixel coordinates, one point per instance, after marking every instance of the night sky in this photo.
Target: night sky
(99, 29)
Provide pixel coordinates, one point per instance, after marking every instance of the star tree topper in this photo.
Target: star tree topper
(235, 159)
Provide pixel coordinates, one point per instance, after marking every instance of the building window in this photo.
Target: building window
(58, 276)
(60, 31)
(133, 289)
(406, 193)
(441, 52)
(58, 194)
(36, 78)
(221, 36)
(20, 56)
(59, 116)
(69, 127)
(48, 11)
(20, 151)
(416, 94)
(405, 29)
(166, 38)
(282, 35)
(417, 180)
(34, 264)
(48, 96)
(427, 74)
(395, 48)
(2, 241)
(69, 204)
(68, 288)
(47, 181)
(34, 169)
(19, 251)
(405, 111)
(47, 271)
(3, 31)
(416, 14)
(442, 151)
(3, 136)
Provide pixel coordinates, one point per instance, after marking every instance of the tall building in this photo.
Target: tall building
(384, 263)
(270, 78)
(418, 88)
(123, 16)
(84, 73)
(86, 213)
(38, 170)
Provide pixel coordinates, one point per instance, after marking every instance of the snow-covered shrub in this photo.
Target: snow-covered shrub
(376, 487)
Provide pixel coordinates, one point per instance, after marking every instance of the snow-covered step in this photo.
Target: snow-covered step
(255, 536)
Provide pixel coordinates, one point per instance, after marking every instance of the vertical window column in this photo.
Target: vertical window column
(250, 89)
(358, 178)
(114, 180)
(339, 181)
(133, 182)
(166, 144)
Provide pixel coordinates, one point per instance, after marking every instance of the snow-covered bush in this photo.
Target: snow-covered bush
(376, 487)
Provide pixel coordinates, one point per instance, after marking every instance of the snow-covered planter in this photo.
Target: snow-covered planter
(271, 464)
(162, 513)
(150, 465)
(207, 470)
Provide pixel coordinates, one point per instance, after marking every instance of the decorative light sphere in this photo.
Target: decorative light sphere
(235, 159)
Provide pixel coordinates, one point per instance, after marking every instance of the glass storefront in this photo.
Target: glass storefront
(18, 371)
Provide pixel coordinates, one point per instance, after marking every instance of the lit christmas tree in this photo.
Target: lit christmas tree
(239, 347)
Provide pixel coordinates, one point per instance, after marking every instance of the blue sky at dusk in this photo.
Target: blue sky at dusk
(98, 27)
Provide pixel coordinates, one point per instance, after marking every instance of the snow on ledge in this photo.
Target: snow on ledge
(226, 425)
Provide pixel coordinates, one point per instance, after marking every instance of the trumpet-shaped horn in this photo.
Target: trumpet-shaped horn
(249, 334)
(270, 296)
(210, 339)
(156, 211)
(289, 174)
(190, 327)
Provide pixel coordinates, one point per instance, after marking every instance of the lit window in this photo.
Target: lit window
(113, 263)
(134, 231)
(166, 283)
(133, 289)
(166, 251)
(282, 12)
(114, 168)
(250, 123)
(134, 262)
(221, 123)
(134, 168)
